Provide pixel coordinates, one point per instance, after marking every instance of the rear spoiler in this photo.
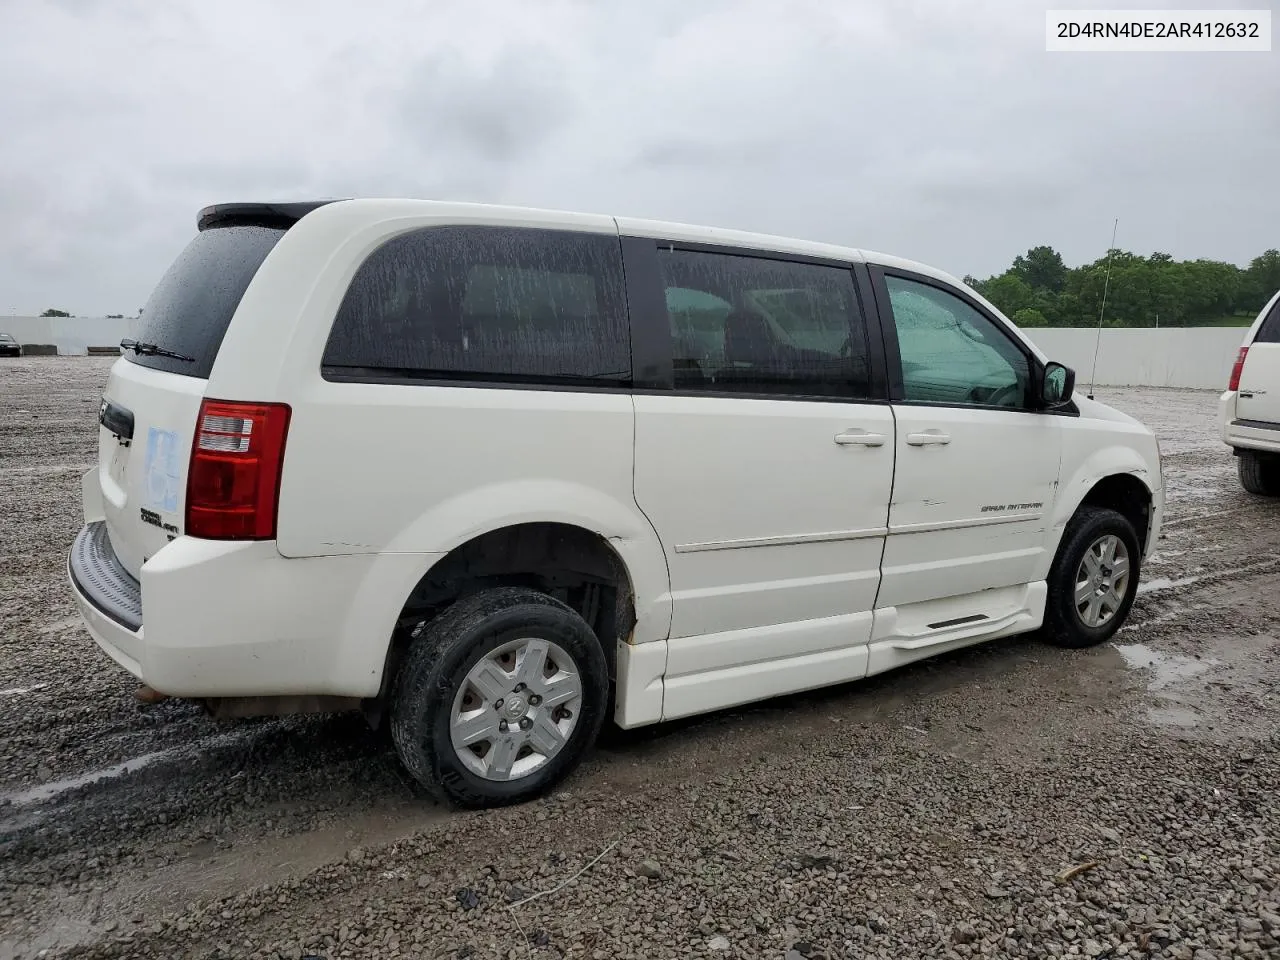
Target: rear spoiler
(278, 215)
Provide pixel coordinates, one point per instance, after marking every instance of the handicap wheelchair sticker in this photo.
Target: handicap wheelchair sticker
(162, 470)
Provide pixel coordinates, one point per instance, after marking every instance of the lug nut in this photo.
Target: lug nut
(497, 704)
(519, 687)
(535, 700)
(502, 725)
(526, 723)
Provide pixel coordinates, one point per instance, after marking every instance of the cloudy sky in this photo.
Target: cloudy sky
(934, 129)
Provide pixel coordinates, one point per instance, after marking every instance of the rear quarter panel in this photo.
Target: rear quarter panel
(411, 469)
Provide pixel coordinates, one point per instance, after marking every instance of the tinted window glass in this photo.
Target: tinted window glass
(1269, 332)
(488, 304)
(951, 353)
(742, 324)
(190, 309)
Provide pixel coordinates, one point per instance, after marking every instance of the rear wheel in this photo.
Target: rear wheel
(1259, 474)
(499, 698)
(1094, 579)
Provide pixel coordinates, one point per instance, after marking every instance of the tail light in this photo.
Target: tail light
(1234, 384)
(233, 485)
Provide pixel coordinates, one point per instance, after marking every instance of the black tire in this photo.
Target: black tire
(1259, 475)
(1063, 625)
(436, 666)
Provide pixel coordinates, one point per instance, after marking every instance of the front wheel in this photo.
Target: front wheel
(1093, 580)
(499, 698)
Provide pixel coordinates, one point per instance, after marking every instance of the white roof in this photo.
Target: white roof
(483, 213)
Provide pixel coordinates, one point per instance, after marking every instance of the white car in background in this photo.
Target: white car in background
(497, 475)
(1249, 411)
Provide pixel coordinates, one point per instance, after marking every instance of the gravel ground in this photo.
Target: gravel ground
(1009, 800)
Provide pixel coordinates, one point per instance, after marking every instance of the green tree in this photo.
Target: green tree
(1085, 285)
(1260, 281)
(1030, 317)
(1168, 297)
(55, 313)
(1139, 291)
(1041, 269)
(1068, 311)
(1008, 292)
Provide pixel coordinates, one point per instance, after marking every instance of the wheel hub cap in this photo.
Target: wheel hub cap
(516, 709)
(1102, 581)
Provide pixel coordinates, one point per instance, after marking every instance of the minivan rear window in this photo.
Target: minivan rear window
(191, 308)
(1269, 332)
(486, 304)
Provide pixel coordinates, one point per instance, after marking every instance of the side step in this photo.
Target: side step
(902, 635)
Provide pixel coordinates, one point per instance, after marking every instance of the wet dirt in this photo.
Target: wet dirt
(133, 829)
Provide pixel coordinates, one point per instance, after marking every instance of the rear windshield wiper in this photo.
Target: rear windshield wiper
(153, 350)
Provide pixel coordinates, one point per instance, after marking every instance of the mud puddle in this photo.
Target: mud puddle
(1227, 691)
(1166, 669)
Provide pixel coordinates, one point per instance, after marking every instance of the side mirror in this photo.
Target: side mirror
(1057, 386)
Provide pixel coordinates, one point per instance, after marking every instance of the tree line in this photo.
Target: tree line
(1040, 290)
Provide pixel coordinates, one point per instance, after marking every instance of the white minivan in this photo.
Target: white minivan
(496, 475)
(1249, 411)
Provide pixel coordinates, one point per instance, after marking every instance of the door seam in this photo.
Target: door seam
(888, 509)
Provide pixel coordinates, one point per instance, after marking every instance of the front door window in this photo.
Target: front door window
(951, 353)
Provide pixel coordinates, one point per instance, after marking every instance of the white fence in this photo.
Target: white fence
(1191, 357)
(71, 335)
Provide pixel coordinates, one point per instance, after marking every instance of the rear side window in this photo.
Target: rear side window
(747, 324)
(486, 304)
(191, 308)
(1269, 332)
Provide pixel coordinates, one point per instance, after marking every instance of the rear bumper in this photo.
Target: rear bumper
(1254, 435)
(236, 619)
(1244, 434)
(110, 600)
(101, 581)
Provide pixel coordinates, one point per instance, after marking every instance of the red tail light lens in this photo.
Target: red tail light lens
(233, 485)
(1236, 368)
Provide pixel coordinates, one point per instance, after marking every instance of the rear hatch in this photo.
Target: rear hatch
(153, 395)
(1259, 390)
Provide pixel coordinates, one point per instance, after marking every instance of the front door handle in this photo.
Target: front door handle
(861, 437)
(927, 438)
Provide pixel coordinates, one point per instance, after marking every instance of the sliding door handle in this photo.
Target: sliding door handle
(928, 438)
(861, 437)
